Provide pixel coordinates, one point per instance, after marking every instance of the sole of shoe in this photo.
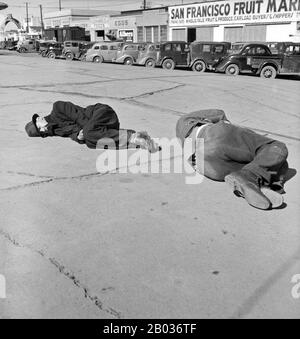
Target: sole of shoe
(249, 192)
(276, 198)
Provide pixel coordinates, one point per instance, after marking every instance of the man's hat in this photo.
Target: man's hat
(31, 128)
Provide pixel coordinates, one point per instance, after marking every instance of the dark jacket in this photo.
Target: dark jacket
(186, 123)
(97, 121)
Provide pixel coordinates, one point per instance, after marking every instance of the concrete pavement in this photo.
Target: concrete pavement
(74, 243)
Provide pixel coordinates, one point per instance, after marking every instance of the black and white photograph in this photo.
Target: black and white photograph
(149, 162)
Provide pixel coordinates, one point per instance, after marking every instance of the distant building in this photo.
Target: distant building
(73, 18)
(149, 25)
(34, 25)
(265, 20)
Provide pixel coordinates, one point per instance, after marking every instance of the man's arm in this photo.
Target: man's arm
(70, 131)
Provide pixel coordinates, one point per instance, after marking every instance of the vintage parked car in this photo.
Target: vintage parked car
(258, 59)
(148, 55)
(128, 53)
(205, 55)
(168, 54)
(26, 46)
(173, 54)
(44, 47)
(291, 59)
(103, 52)
(76, 49)
(55, 51)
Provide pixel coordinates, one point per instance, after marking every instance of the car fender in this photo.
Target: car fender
(268, 63)
(225, 63)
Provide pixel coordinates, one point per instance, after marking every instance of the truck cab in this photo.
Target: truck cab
(245, 59)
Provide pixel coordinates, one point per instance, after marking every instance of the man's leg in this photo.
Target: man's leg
(244, 159)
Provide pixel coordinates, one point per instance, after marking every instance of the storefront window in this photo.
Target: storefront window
(163, 33)
(148, 34)
(140, 34)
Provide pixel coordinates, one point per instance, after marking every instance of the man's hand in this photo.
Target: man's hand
(80, 135)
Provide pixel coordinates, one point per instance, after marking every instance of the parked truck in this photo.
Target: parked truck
(258, 59)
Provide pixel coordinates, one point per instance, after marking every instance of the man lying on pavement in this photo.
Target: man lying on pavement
(88, 126)
(253, 165)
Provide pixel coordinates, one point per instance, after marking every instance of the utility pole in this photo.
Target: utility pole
(145, 4)
(42, 20)
(59, 4)
(27, 19)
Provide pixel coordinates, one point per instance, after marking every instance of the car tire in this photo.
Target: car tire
(98, 59)
(69, 56)
(128, 62)
(168, 64)
(51, 55)
(232, 69)
(44, 54)
(199, 66)
(150, 63)
(22, 50)
(268, 72)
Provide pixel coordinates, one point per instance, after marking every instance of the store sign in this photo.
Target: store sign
(235, 12)
(119, 22)
(126, 34)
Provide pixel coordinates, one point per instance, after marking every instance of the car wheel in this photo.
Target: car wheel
(22, 50)
(128, 62)
(98, 59)
(268, 72)
(51, 55)
(44, 54)
(168, 64)
(69, 56)
(150, 63)
(232, 69)
(199, 66)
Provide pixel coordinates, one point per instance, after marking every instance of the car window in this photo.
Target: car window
(261, 51)
(74, 44)
(104, 48)
(206, 48)
(168, 47)
(249, 51)
(113, 48)
(97, 47)
(68, 44)
(130, 48)
(296, 50)
(219, 49)
(151, 48)
(177, 47)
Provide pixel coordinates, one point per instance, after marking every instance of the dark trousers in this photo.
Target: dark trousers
(103, 130)
(229, 148)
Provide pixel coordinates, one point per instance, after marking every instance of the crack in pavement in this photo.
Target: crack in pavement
(52, 179)
(161, 79)
(67, 273)
(28, 174)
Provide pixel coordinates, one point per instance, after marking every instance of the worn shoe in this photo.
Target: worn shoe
(246, 185)
(276, 198)
(144, 141)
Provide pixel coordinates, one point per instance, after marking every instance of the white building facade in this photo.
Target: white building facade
(235, 20)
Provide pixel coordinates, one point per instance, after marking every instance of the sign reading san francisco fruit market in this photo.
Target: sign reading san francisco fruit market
(235, 12)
